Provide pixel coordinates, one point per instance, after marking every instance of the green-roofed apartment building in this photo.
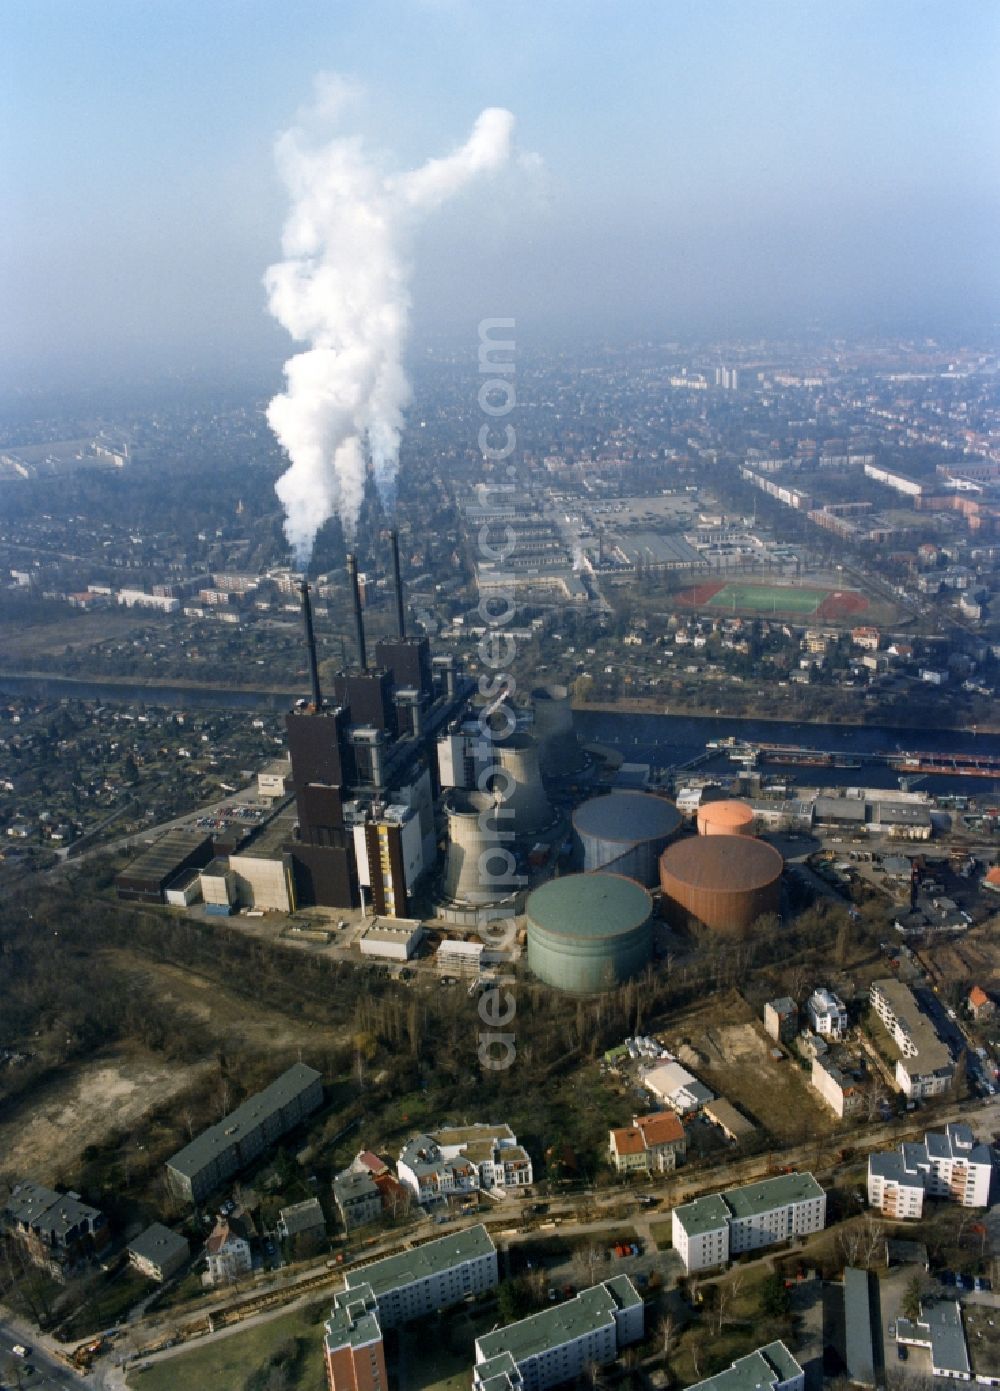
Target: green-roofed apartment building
(551, 1347)
(770, 1368)
(395, 1290)
(709, 1231)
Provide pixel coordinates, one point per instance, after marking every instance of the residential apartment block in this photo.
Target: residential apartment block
(781, 1019)
(770, 1368)
(357, 1197)
(709, 1231)
(430, 1277)
(393, 1291)
(926, 1067)
(651, 1144)
(462, 1158)
(245, 1133)
(949, 1165)
(839, 1089)
(158, 1252)
(56, 1230)
(353, 1348)
(827, 1013)
(558, 1344)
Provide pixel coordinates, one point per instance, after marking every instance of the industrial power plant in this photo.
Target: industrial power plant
(407, 800)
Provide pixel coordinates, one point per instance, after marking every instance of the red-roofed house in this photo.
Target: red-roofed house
(980, 1004)
(651, 1144)
(992, 880)
(227, 1252)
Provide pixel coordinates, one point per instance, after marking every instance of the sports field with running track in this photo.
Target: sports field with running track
(799, 601)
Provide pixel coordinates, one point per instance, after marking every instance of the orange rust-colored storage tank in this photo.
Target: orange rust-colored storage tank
(727, 882)
(727, 818)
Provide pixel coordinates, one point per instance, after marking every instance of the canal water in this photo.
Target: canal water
(640, 738)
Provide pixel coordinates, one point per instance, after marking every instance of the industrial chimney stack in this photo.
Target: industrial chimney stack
(400, 608)
(359, 626)
(311, 645)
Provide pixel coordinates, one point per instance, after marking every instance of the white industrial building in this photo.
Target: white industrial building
(710, 1231)
(552, 1347)
(392, 939)
(951, 1165)
(677, 1088)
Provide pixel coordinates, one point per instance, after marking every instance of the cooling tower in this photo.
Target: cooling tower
(479, 865)
(518, 781)
(560, 753)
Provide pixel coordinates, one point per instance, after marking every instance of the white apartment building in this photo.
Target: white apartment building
(558, 1344)
(709, 1231)
(827, 1013)
(926, 1067)
(461, 1159)
(770, 1368)
(429, 1277)
(949, 1165)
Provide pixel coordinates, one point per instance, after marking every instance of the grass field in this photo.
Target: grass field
(788, 600)
(227, 1363)
(662, 1234)
(768, 598)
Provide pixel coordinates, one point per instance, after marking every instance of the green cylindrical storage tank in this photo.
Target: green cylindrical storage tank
(588, 932)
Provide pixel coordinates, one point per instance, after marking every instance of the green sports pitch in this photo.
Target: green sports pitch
(768, 598)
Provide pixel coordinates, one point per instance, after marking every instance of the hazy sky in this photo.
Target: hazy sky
(709, 166)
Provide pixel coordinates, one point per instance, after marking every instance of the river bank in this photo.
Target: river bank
(644, 705)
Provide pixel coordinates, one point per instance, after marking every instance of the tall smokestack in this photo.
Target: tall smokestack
(307, 616)
(359, 626)
(400, 607)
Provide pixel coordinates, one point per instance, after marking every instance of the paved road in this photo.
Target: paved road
(46, 1374)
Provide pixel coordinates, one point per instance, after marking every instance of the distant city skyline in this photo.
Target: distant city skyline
(718, 170)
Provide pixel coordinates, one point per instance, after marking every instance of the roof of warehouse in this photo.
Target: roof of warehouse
(165, 855)
(859, 1327)
(590, 905)
(730, 863)
(627, 816)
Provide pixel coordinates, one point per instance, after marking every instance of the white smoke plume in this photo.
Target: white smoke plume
(342, 290)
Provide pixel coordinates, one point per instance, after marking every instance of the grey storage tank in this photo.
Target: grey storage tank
(589, 932)
(626, 832)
